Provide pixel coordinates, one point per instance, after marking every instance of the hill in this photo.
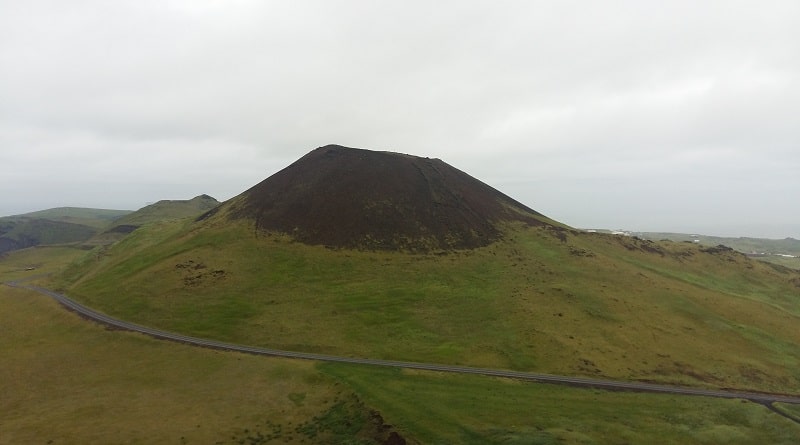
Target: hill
(167, 209)
(352, 198)
(54, 226)
(523, 293)
(68, 365)
(97, 218)
(785, 251)
(163, 210)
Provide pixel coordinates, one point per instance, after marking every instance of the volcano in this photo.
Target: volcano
(353, 198)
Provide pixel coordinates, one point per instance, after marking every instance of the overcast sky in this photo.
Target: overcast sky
(641, 115)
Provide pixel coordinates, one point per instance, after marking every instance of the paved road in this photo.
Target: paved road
(766, 399)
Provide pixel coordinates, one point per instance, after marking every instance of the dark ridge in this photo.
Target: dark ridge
(353, 198)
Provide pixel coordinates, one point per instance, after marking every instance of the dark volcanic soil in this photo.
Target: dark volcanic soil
(353, 198)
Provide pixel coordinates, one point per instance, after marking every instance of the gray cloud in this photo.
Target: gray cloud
(643, 115)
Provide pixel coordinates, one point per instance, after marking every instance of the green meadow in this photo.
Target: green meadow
(168, 209)
(444, 409)
(66, 380)
(539, 300)
(96, 218)
(763, 249)
(62, 225)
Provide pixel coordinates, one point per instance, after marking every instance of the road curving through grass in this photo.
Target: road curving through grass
(763, 398)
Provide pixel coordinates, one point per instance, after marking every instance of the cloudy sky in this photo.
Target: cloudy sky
(641, 115)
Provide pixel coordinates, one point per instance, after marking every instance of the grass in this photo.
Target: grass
(96, 218)
(168, 209)
(593, 305)
(68, 381)
(444, 409)
(792, 263)
(37, 261)
(792, 410)
(29, 231)
(56, 226)
(768, 247)
(65, 380)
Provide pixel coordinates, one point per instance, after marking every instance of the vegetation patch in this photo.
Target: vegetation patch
(68, 381)
(344, 420)
(62, 377)
(440, 408)
(528, 302)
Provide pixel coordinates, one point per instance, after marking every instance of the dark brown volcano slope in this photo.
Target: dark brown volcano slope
(353, 198)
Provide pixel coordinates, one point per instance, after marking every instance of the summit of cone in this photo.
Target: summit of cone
(354, 198)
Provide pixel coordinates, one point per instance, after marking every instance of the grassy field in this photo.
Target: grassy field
(587, 304)
(54, 226)
(168, 209)
(28, 231)
(65, 380)
(37, 262)
(445, 409)
(768, 247)
(97, 218)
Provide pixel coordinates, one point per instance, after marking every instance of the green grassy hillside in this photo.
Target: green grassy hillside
(541, 299)
(45, 231)
(69, 381)
(54, 226)
(97, 218)
(21, 232)
(168, 209)
(458, 409)
(785, 251)
(163, 210)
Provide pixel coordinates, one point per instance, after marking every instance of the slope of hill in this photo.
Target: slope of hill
(785, 251)
(160, 211)
(69, 366)
(353, 198)
(539, 297)
(97, 218)
(54, 226)
(168, 209)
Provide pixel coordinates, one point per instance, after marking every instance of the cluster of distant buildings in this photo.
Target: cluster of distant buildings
(613, 232)
(760, 254)
(694, 239)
